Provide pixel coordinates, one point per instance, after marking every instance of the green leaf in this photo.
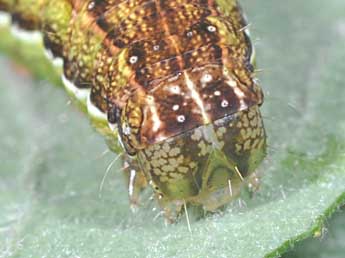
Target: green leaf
(331, 244)
(51, 161)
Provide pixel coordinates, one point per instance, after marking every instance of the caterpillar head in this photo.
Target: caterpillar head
(201, 164)
(194, 151)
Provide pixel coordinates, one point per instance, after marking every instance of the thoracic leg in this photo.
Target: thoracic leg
(136, 181)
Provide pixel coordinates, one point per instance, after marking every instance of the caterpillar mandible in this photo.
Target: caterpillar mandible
(169, 83)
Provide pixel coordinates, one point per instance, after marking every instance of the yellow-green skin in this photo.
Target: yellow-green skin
(170, 83)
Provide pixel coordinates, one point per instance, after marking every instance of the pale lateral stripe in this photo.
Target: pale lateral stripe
(196, 97)
(80, 94)
(94, 111)
(56, 61)
(155, 117)
(5, 19)
(27, 36)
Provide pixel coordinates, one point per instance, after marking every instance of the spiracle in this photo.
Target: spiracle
(169, 83)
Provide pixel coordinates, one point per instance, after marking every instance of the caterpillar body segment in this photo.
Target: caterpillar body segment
(170, 83)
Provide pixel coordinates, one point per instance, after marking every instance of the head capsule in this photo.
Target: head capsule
(206, 165)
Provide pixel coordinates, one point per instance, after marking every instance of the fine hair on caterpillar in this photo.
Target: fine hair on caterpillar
(170, 84)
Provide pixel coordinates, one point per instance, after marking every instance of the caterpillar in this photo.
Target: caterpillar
(170, 84)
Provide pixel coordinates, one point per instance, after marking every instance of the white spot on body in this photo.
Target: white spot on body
(133, 59)
(225, 103)
(176, 107)
(91, 5)
(211, 28)
(175, 89)
(189, 34)
(206, 78)
(217, 93)
(181, 118)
